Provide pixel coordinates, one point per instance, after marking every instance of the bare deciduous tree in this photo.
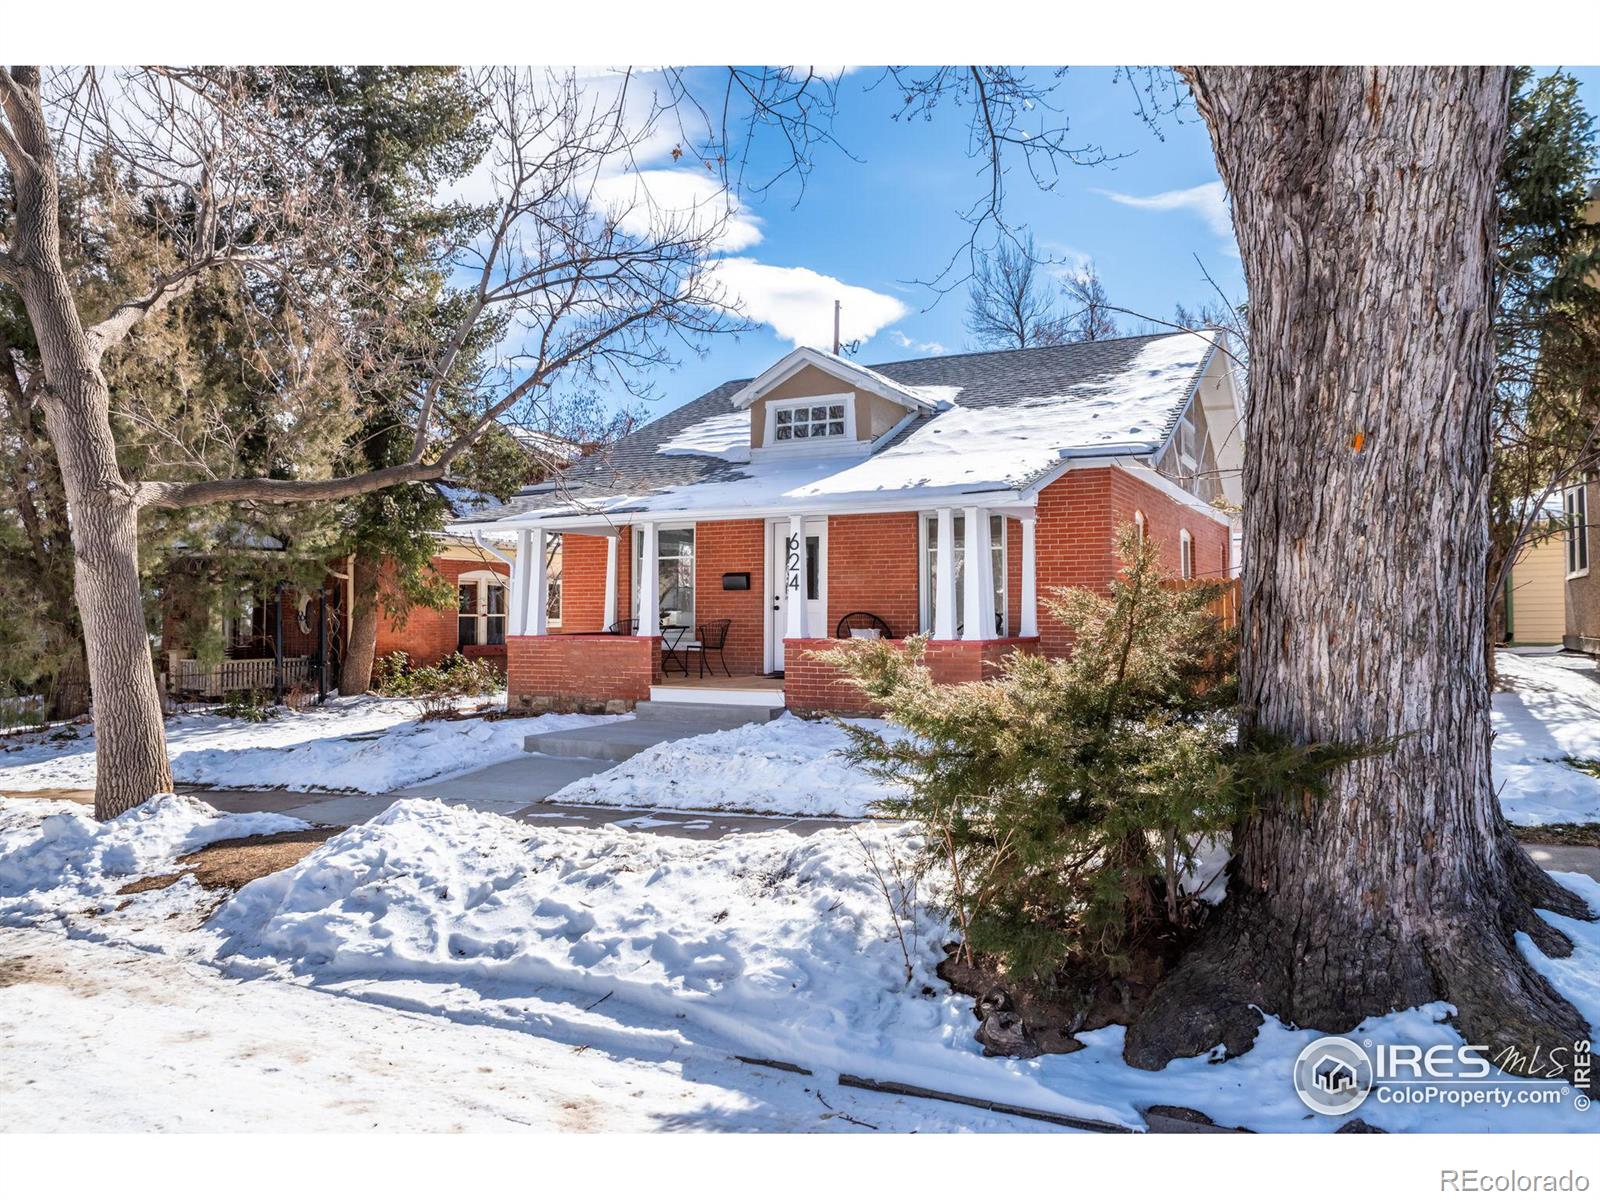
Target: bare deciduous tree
(581, 283)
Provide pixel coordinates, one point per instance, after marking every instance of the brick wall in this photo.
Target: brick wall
(811, 687)
(579, 670)
(872, 567)
(1078, 518)
(583, 581)
(429, 634)
(1164, 518)
(733, 546)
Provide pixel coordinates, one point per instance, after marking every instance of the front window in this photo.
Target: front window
(674, 575)
(807, 422)
(1186, 554)
(467, 614)
(997, 571)
(481, 609)
(1577, 535)
(552, 572)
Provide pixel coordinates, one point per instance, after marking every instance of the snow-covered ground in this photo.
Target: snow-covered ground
(108, 1039)
(1551, 712)
(364, 744)
(786, 766)
(767, 945)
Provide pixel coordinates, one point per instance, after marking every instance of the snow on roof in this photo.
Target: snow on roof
(989, 434)
(726, 435)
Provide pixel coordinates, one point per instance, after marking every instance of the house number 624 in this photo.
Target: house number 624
(792, 566)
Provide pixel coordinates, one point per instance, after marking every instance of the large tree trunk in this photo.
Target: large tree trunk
(1364, 205)
(101, 503)
(356, 675)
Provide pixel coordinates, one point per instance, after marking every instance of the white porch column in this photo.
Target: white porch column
(609, 618)
(649, 582)
(519, 584)
(536, 622)
(794, 580)
(944, 584)
(978, 618)
(1030, 583)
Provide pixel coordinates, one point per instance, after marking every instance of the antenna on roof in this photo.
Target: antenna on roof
(836, 307)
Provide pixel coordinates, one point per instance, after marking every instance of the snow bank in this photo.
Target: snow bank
(55, 855)
(364, 744)
(774, 946)
(1552, 714)
(787, 766)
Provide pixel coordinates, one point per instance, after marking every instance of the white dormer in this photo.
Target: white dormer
(813, 403)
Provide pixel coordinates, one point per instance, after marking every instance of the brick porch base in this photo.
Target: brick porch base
(811, 687)
(579, 671)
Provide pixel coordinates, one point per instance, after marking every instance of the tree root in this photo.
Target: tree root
(1329, 972)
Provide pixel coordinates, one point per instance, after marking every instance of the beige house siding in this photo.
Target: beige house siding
(1537, 615)
(875, 416)
(1583, 591)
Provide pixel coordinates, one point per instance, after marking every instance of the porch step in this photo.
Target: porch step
(654, 722)
(717, 715)
(770, 696)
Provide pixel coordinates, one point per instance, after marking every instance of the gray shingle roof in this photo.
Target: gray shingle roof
(986, 379)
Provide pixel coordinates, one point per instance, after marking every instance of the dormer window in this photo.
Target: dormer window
(807, 422)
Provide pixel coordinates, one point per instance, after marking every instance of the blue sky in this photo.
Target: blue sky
(869, 228)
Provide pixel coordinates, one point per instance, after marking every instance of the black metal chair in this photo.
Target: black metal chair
(628, 626)
(861, 620)
(675, 648)
(713, 636)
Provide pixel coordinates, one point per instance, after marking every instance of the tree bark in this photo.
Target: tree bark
(101, 503)
(1364, 207)
(356, 675)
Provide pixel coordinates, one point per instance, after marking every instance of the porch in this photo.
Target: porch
(758, 594)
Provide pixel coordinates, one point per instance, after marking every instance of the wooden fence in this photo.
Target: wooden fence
(1226, 604)
(188, 676)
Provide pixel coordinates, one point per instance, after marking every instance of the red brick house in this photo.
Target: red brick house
(824, 499)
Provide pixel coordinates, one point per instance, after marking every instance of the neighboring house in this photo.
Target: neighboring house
(1535, 608)
(285, 635)
(1579, 547)
(943, 495)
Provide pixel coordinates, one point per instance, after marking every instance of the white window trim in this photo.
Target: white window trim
(1186, 554)
(834, 445)
(1141, 525)
(483, 580)
(636, 552)
(925, 585)
(1188, 455)
(554, 572)
(1575, 508)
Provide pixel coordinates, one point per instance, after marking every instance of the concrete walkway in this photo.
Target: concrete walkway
(1583, 859)
(516, 789)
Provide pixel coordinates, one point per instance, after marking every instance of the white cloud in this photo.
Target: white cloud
(798, 302)
(1208, 201)
(906, 342)
(661, 197)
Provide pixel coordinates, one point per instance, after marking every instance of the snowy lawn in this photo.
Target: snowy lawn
(365, 744)
(1551, 713)
(766, 945)
(787, 766)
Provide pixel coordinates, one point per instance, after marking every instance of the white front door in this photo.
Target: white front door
(790, 566)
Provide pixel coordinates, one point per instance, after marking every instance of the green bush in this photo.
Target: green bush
(248, 706)
(437, 686)
(1066, 800)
